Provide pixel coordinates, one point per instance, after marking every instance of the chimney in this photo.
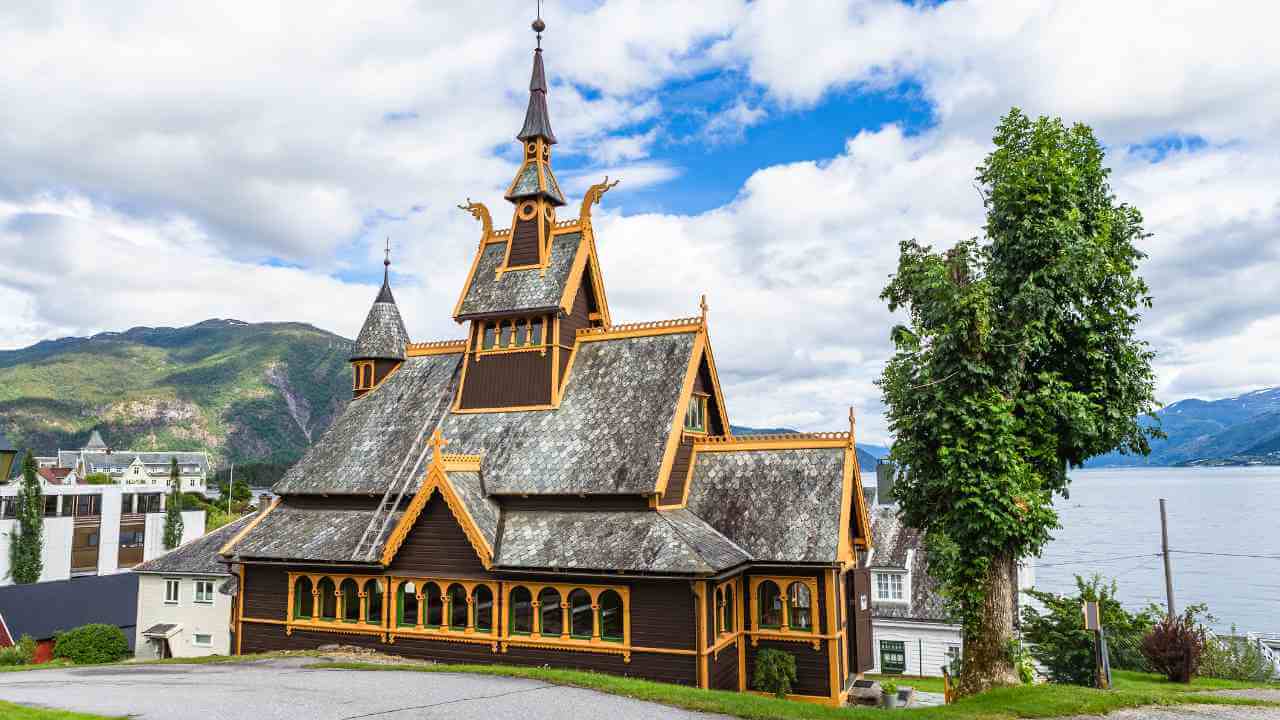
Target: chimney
(884, 482)
(264, 502)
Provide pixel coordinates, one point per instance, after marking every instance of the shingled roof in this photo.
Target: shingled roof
(383, 335)
(779, 505)
(198, 557)
(631, 541)
(608, 435)
(519, 290)
(307, 534)
(900, 547)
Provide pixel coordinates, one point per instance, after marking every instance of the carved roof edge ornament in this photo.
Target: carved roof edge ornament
(481, 213)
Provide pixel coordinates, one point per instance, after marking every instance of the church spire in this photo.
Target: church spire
(537, 121)
(384, 295)
(535, 181)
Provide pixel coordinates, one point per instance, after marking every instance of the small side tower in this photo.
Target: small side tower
(380, 346)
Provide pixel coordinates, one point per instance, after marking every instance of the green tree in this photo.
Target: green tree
(26, 548)
(173, 509)
(1019, 361)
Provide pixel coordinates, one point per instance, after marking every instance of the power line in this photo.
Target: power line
(1235, 555)
(1098, 560)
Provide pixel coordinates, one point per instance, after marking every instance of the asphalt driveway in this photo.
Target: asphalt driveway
(282, 688)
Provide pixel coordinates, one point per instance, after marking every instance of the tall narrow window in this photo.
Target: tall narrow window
(695, 416)
(521, 611)
(171, 592)
(719, 610)
(457, 607)
(482, 601)
(432, 606)
(350, 601)
(535, 331)
(507, 332)
(770, 599)
(204, 592)
(373, 604)
(490, 335)
(728, 612)
(580, 620)
(550, 614)
(328, 599)
(407, 604)
(799, 607)
(302, 598)
(611, 622)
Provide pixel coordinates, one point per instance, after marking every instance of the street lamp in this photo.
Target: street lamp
(7, 456)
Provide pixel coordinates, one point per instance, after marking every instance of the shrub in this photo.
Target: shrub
(775, 671)
(21, 653)
(1059, 642)
(1234, 658)
(96, 643)
(889, 688)
(1174, 647)
(98, 479)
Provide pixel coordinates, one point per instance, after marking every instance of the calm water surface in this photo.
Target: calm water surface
(1115, 512)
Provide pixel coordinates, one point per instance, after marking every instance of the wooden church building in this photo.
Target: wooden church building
(556, 489)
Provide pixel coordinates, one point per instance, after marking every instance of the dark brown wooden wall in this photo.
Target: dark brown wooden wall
(860, 643)
(507, 380)
(723, 667)
(674, 493)
(812, 671)
(579, 317)
(702, 383)
(437, 544)
(524, 243)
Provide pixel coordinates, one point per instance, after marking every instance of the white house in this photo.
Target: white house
(133, 467)
(186, 598)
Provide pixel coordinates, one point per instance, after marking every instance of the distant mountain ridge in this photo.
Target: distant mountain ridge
(245, 392)
(1241, 430)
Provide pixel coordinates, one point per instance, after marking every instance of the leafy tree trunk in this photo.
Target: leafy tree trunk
(988, 638)
(26, 560)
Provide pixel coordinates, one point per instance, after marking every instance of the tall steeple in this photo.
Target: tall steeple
(382, 339)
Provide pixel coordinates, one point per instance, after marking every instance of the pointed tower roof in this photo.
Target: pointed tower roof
(382, 337)
(537, 121)
(95, 442)
(534, 178)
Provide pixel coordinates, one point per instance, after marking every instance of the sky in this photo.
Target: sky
(169, 162)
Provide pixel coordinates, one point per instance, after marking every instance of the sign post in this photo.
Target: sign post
(1102, 663)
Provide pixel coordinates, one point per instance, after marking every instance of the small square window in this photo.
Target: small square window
(889, 587)
(202, 640)
(171, 592)
(204, 592)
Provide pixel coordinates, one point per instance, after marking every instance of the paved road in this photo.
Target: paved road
(281, 688)
(1190, 712)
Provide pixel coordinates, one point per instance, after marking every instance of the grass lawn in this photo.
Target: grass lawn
(923, 684)
(9, 711)
(1132, 690)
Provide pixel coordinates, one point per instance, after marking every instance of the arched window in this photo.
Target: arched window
(302, 598)
(407, 604)
(550, 614)
(373, 606)
(457, 607)
(432, 606)
(799, 607)
(328, 599)
(580, 620)
(521, 611)
(770, 598)
(350, 600)
(719, 610)
(729, 612)
(611, 616)
(482, 600)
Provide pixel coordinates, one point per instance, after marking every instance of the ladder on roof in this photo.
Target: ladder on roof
(365, 549)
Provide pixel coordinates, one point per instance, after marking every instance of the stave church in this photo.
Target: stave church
(559, 489)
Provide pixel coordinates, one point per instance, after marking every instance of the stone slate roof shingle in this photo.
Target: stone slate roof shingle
(630, 541)
(125, 458)
(198, 557)
(779, 505)
(894, 545)
(608, 435)
(519, 290)
(371, 439)
(306, 534)
(484, 511)
(383, 335)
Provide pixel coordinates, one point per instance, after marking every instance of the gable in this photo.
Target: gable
(491, 292)
(436, 543)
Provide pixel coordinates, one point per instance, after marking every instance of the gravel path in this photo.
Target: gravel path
(281, 688)
(1192, 712)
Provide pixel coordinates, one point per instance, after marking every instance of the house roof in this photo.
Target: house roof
(630, 541)
(54, 476)
(383, 335)
(124, 458)
(199, 556)
(534, 289)
(781, 505)
(901, 548)
(307, 534)
(95, 442)
(607, 437)
(483, 511)
(42, 609)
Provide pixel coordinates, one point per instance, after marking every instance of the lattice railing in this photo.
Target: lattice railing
(656, 324)
(769, 437)
(568, 223)
(437, 345)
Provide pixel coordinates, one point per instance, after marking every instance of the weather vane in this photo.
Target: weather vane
(386, 256)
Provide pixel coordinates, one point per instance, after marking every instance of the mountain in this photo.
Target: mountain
(247, 393)
(1232, 431)
(868, 455)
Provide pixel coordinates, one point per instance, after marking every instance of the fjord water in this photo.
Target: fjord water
(1114, 513)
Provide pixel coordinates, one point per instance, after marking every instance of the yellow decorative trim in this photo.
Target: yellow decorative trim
(336, 624)
(798, 441)
(469, 633)
(700, 595)
(593, 197)
(438, 347)
(437, 479)
(677, 422)
(461, 463)
(814, 699)
(564, 640)
(566, 227)
(643, 329)
(262, 621)
(240, 611)
(514, 323)
(226, 549)
(784, 630)
(513, 408)
(834, 686)
(481, 213)
(574, 280)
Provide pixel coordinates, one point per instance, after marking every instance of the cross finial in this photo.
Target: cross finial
(702, 305)
(437, 446)
(386, 256)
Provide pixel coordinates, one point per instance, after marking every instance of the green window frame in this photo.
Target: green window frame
(695, 415)
(893, 657)
(611, 616)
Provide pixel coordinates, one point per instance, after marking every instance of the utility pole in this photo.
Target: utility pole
(1168, 569)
